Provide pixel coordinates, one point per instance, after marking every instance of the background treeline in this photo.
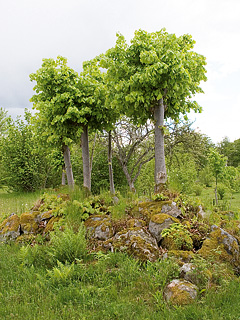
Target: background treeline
(28, 162)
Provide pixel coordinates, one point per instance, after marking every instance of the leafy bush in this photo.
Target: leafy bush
(183, 176)
(221, 189)
(53, 202)
(197, 189)
(206, 176)
(26, 165)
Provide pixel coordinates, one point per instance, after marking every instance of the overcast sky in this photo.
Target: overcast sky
(31, 30)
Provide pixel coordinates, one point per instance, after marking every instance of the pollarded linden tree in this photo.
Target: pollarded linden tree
(155, 77)
(70, 104)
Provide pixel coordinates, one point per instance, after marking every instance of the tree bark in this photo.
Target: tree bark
(68, 165)
(92, 153)
(160, 166)
(110, 169)
(63, 176)
(86, 160)
(215, 191)
(129, 179)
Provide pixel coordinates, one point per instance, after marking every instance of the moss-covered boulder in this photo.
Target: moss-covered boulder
(159, 222)
(132, 223)
(99, 227)
(147, 209)
(180, 292)
(29, 222)
(49, 224)
(137, 242)
(200, 276)
(221, 246)
(171, 209)
(10, 228)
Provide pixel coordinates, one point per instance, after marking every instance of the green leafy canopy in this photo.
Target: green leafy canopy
(154, 66)
(67, 100)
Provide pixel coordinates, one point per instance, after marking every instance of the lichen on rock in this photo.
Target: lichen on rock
(180, 292)
(137, 242)
(29, 222)
(99, 227)
(131, 223)
(221, 246)
(149, 208)
(159, 222)
(171, 209)
(10, 228)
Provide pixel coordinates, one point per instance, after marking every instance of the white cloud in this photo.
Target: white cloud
(79, 30)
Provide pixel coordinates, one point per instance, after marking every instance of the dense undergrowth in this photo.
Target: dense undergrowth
(63, 279)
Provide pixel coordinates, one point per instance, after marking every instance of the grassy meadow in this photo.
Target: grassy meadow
(36, 282)
(16, 202)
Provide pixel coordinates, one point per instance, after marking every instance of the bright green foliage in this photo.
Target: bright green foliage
(232, 178)
(206, 176)
(54, 99)
(155, 77)
(68, 246)
(179, 235)
(95, 112)
(231, 150)
(25, 164)
(67, 100)
(54, 203)
(183, 138)
(182, 173)
(159, 197)
(4, 125)
(154, 66)
(217, 162)
(62, 274)
(70, 103)
(4, 121)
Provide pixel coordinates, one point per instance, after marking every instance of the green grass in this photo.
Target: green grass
(17, 202)
(230, 202)
(113, 286)
(38, 283)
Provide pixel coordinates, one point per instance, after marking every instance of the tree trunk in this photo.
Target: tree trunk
(160, 166)
(86, 160)
(63, 176)
(68, 165)
(92, 153)
(110, 169)
(129, 179)
(216, 197)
